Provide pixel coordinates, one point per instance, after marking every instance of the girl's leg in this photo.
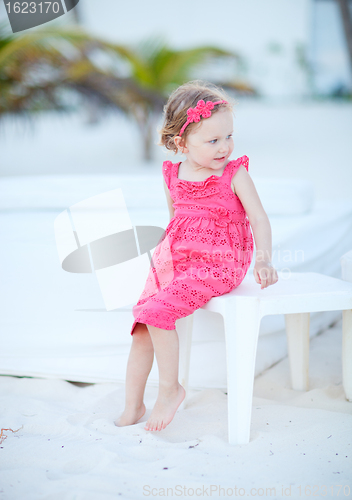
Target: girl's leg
(171, 393)
(139, 364)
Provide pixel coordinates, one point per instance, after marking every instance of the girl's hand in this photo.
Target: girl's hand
(265, 274)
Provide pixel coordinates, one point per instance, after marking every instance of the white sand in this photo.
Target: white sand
(69, 447)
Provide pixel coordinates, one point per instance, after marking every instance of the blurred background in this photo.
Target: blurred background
(81, 99)
(84, 93)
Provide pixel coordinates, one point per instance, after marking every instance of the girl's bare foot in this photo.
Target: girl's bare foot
(130, 416)
(165, 408)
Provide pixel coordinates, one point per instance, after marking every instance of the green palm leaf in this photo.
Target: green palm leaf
(37, 67)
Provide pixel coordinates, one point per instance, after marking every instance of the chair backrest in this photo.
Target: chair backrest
(346, 266)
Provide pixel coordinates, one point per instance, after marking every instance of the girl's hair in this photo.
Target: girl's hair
(175, 110)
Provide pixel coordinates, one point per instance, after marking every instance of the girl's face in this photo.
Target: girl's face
(211, 144)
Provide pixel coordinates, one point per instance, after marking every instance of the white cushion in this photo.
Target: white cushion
(346, 266)
(285, 196)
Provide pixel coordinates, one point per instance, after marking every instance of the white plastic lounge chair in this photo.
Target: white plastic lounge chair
(295, 296)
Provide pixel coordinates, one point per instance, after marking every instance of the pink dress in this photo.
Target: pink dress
(206, 249)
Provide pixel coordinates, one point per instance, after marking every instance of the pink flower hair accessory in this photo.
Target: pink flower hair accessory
(202, 109)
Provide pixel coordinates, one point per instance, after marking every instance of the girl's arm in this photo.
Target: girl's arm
(169, 200)
(264, 272)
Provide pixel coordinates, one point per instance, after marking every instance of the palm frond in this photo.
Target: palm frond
(38, 68)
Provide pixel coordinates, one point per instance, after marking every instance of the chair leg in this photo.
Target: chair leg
(347, 353)
(185, 328)
(297, 333)
(241, 323)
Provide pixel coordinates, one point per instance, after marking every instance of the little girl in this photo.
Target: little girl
(207, 247)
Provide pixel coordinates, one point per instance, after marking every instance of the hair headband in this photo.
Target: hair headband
(202, 109)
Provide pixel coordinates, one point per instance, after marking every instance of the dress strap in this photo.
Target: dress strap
(243, 160)
(168, 171)
(235, 165)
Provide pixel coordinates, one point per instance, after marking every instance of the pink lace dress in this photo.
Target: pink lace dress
(206, 249)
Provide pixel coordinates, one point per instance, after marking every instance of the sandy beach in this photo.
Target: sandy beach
(67, 446)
